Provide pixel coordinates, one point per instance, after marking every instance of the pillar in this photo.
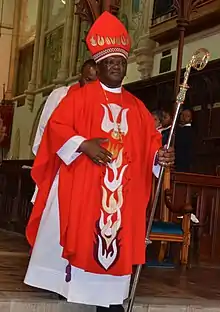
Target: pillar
(144, 52)
(67, 40)
(74, 45)
(32, 83)
(14, 50)
(41, 51)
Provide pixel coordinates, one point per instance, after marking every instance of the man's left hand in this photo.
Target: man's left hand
(166, 157)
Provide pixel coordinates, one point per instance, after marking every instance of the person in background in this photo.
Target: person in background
(166, 123)
(184, 139)
(88, 74)
(157, 118)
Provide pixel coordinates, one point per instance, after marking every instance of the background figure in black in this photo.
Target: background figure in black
(184, 142)
(166, 122)
(157, 115)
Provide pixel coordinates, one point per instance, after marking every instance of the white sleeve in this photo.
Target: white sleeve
(51, 104)
(68, 152)
(156, 168)
(34, 195)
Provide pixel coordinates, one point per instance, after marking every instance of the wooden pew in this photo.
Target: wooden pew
(166, 230)
(16, 190)
(207, 190)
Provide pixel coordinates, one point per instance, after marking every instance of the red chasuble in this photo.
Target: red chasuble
(74, 87)
(102, 208)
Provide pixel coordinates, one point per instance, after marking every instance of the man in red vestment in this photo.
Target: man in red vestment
(94, 174)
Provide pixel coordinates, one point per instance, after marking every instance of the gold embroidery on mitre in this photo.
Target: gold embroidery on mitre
(123, 40)
(101, 41)
(107, 40)
(113, 40)
(93, 42)
(118, 40)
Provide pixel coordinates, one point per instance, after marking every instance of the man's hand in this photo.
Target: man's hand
(166, 157)
(93, 149)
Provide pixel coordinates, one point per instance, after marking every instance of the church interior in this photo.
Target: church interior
(42, 48)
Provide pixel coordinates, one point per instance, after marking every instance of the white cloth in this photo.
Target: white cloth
(51, 104)
(193, 218)
(165, 128)
(186, 125)
(47, 268)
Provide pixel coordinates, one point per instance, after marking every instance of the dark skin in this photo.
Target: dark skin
(89, 74)
(166, 119)
(111, 72)
(185, 117)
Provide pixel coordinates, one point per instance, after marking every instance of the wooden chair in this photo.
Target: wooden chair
(166, 230)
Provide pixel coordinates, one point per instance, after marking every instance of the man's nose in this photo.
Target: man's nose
(116, 66)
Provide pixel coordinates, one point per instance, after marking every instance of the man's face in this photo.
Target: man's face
(156, 120)
(112, 70)
(185, 117)
(89, 74)
(166, 119)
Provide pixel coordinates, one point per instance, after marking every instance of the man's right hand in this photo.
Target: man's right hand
(93, 149)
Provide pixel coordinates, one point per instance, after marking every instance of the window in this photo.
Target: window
(135, 6)
(24, 68)
(52, 55)
(162, 7)
(166, 61)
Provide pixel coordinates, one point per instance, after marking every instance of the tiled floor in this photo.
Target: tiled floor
(171, 286)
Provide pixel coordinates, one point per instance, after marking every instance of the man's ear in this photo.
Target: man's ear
(98, 68)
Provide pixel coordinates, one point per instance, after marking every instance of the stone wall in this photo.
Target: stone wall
(5, 42)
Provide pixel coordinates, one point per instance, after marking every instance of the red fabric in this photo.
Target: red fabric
(81, 113)
(73, 88)
(108, 36)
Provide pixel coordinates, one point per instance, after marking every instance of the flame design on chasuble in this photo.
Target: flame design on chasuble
(107, 246)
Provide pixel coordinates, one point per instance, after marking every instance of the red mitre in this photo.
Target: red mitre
(107, 37)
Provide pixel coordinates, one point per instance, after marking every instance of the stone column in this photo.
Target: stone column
(67, 40)
(74, 45)
(32, 82)
(144, 52)
(45, 12)
(14, 50)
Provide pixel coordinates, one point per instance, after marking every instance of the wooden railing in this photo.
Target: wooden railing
(204, 14)
(16, 190)
(165, 9)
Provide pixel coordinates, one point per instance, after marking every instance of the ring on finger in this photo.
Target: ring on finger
(163, 164)
(95, 160)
